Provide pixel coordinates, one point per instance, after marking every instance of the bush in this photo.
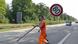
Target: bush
(50, 22)
(3, 19)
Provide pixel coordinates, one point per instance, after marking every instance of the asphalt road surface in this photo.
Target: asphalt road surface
(54, 35)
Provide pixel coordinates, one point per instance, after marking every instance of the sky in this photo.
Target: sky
(69, 6)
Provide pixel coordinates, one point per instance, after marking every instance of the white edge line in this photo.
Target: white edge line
(62, 41)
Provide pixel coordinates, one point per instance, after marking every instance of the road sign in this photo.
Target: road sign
(19, 17)
(56, 10)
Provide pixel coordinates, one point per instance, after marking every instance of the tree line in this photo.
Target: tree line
(31, 12)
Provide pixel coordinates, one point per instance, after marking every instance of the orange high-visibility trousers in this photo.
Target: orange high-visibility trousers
(42, 37)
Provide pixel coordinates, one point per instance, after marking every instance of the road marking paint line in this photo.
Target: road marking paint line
(62, 41)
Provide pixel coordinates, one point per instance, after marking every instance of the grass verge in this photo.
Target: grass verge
(7, 27)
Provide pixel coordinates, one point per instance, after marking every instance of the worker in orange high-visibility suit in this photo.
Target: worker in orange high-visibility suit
(42, 38)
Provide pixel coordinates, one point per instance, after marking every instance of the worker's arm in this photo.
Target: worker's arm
(40, 25)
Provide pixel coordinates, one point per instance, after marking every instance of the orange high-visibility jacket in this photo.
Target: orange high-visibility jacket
(43, 32)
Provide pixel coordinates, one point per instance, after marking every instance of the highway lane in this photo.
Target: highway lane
(54, 35)
(73, 39)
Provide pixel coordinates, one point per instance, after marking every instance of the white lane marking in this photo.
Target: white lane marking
(62, 41)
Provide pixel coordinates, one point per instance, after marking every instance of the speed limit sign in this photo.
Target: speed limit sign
(56, 10)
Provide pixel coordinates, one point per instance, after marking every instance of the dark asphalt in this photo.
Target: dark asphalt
(54, 35)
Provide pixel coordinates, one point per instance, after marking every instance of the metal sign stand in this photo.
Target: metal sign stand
(26, 34)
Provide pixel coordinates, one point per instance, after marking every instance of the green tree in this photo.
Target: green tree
(2, 7)
(3, 12)
(32, 12)
(24, 6)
